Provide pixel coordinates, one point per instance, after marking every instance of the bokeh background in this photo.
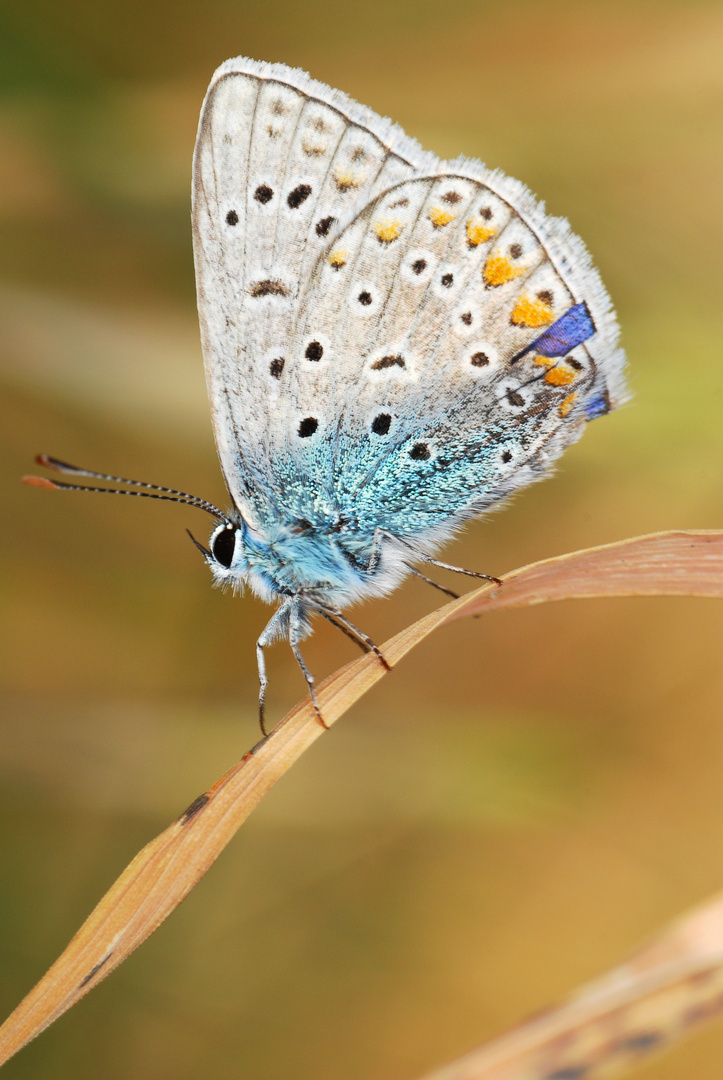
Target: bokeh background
(525, 798)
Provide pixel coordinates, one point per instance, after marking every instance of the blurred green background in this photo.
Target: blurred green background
(526, 797)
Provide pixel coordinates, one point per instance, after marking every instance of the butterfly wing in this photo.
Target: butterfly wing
(390, 340)
(281, 163)
(472, 341)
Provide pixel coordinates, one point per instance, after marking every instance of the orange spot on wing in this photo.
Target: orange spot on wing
(346, 180)
(338, 258)
(543, 361)
(560, 376)
(566, 405)
(387, 230)
(498, 270)
(478, 232)
(440, 217)
(532, 313)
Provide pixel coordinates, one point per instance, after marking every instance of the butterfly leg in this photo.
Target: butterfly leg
(460, 570)
(434, 584)
(442, 565)
(295, 627)
(266, 637)
(363, 640)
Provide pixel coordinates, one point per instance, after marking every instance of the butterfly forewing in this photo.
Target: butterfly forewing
(281, 164)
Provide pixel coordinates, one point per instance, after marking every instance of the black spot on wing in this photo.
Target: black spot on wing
(299, 195)
(420, 452)
(322, 227)
(268, 288)
(388, 362)
(307, 427)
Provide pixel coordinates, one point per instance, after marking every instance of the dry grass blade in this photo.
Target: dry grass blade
(165, 871)
(612, 1024)
(683, 563)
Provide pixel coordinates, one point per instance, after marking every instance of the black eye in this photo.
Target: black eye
(223, 545)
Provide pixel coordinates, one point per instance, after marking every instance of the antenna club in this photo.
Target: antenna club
(40, 481)
(49, 462)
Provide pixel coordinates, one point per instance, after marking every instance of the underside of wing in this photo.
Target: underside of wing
(466, 342)
(390, 340)
(282, 163)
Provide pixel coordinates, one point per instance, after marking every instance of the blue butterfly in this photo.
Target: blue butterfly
(393, 344)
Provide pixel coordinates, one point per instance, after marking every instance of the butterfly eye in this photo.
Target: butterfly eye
(223, 545)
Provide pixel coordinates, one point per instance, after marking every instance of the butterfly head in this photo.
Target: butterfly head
(238, 556)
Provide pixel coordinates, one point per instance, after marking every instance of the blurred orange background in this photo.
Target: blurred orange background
(525, 798)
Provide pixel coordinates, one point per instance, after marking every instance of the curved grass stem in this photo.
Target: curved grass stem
(166, 869)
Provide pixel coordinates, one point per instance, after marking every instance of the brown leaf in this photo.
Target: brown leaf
(164, 872)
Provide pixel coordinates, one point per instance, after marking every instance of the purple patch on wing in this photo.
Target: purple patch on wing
(570, 330)
(597, 407)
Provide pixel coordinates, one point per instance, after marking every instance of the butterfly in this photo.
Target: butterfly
(393, 344)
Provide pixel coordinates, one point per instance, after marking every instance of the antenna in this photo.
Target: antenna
(154, 491)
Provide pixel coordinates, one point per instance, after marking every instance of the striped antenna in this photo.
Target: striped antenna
(153, 491)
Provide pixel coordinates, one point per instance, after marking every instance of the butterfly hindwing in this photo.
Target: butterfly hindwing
(433, 401)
